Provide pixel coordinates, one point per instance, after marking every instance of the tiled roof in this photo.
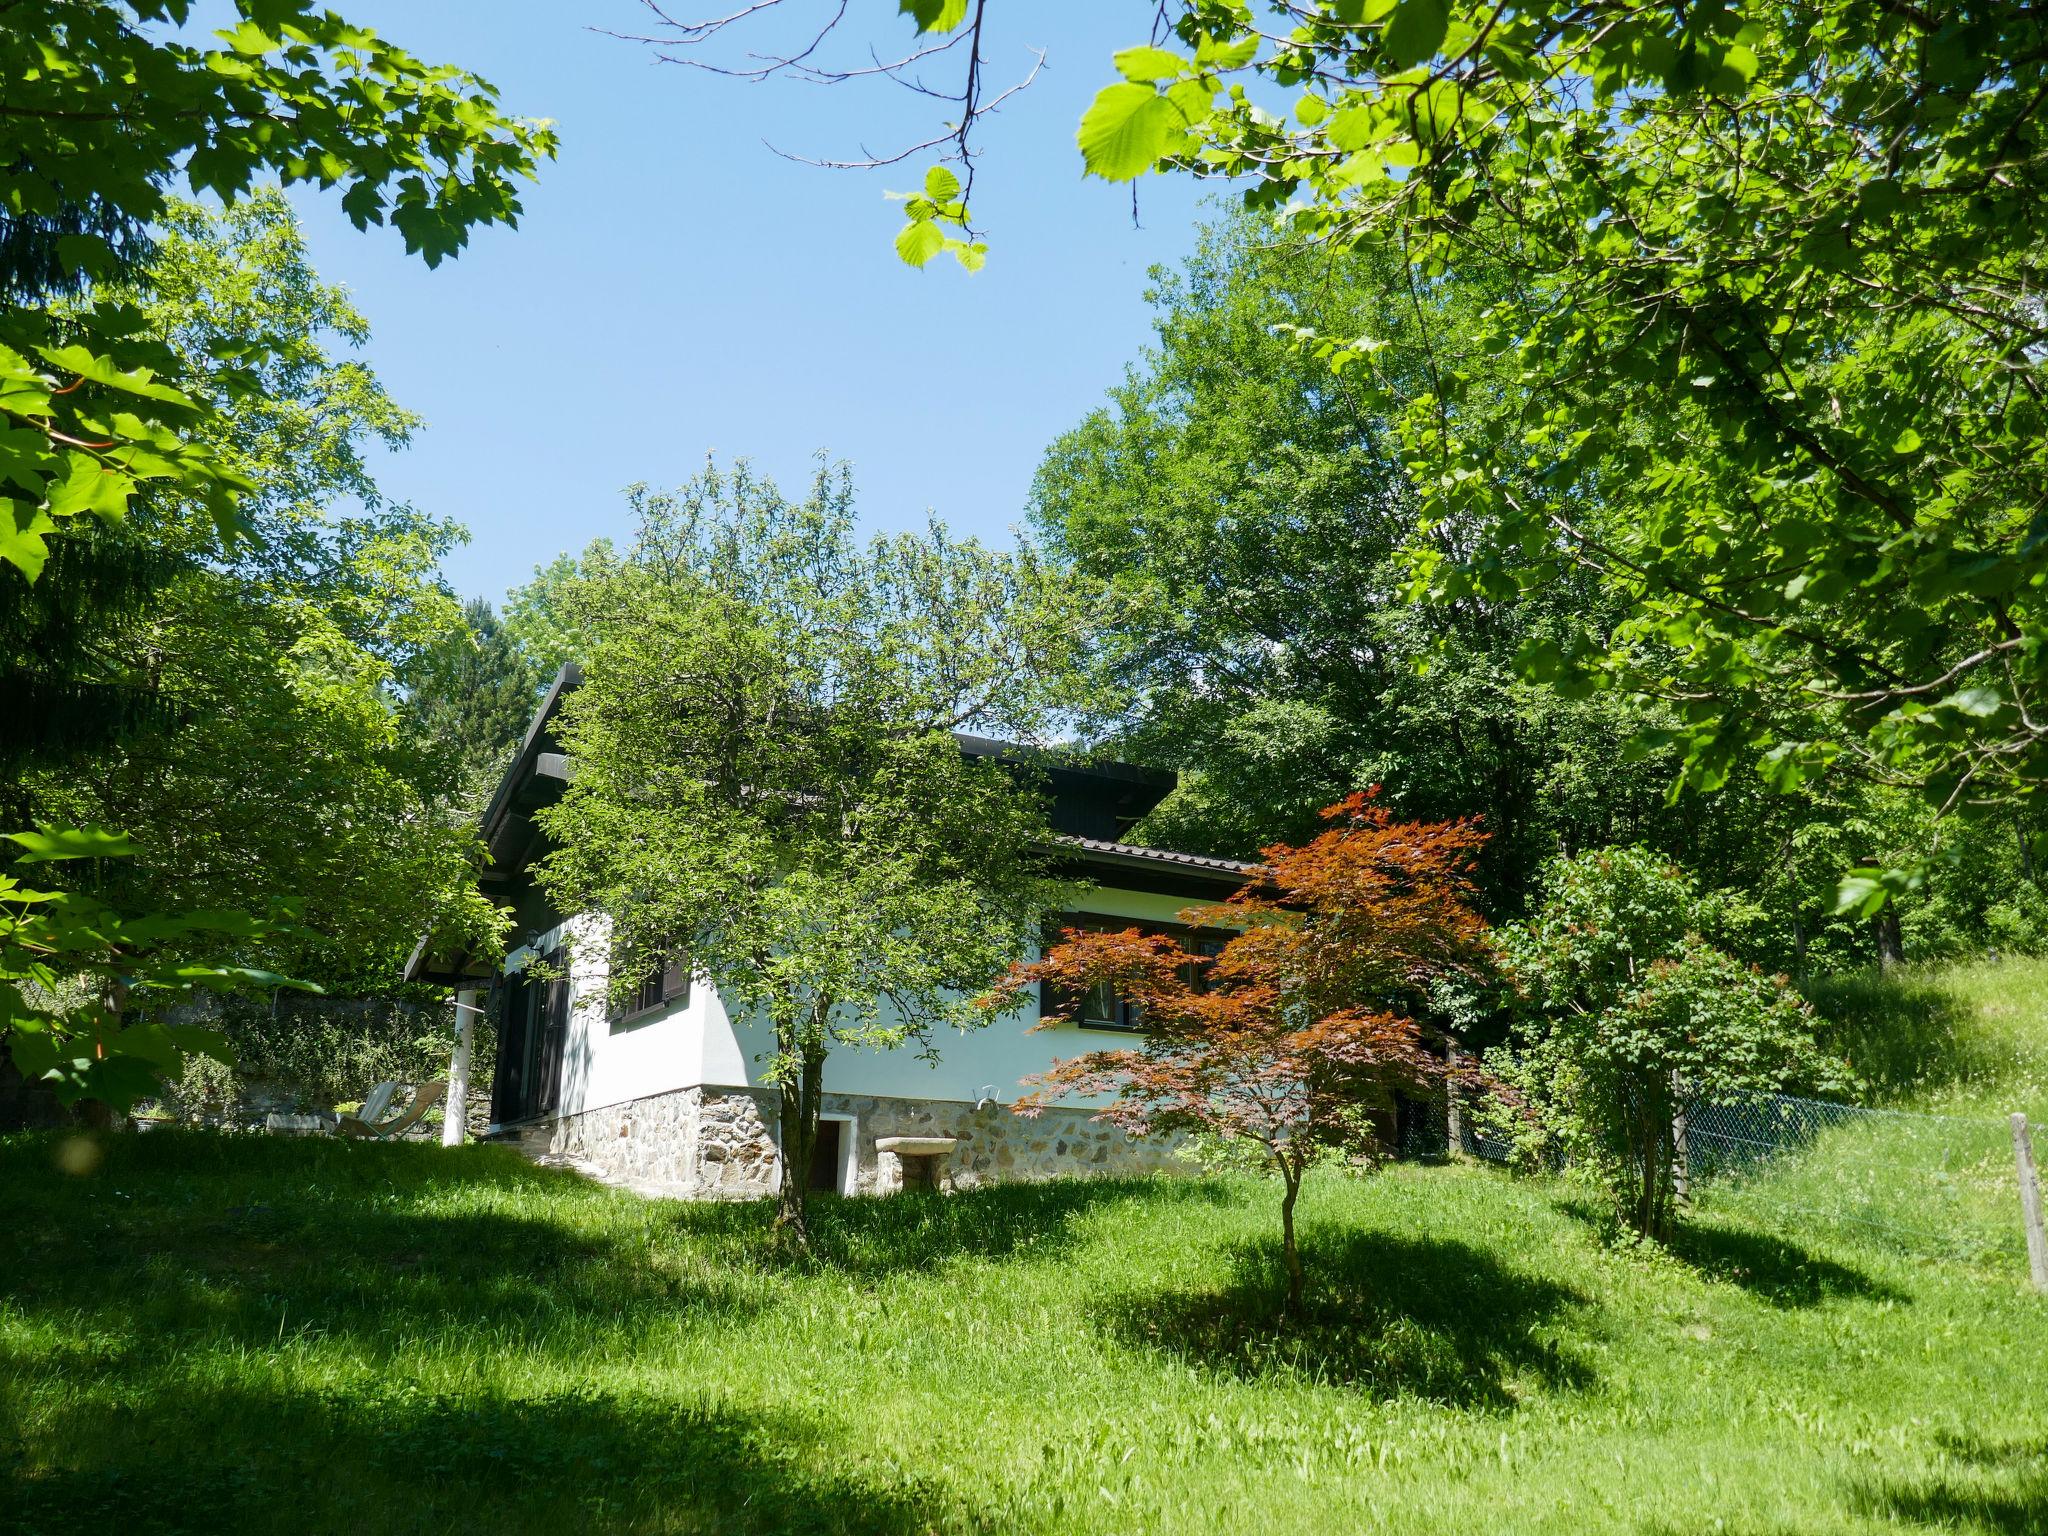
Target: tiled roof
(1160, 855)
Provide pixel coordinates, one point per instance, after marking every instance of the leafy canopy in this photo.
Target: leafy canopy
(107, 106)
(766, 779)
(299, 636)
(1774, 316)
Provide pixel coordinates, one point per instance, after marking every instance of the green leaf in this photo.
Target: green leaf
(1125, 131)
(1907, 441)
(71, 843)
(90, 486)
(918, 242)
(934, 15)
(1147, 63)
(1231, 55)
(1540, 659)
(148, 1042)
(1415, 32)
(196, 1040)
(1861, 894)
(227, 978)
(1979, 702)
(1356, 127)
(941, 185)
(116, 1081)
(21, 538)
(135, 381)
(1311, 109)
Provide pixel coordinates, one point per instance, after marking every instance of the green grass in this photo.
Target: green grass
(1948, 1053)
(1969, 1039)
(238, 1334)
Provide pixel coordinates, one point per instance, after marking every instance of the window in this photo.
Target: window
(1100, 1007)
(664, 987)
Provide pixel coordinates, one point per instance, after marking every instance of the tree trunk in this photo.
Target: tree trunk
(1454, 1108)
(1891, 944)
(800, 1103)
(1650, 1149)
(91, 1112)
(1289, 1253)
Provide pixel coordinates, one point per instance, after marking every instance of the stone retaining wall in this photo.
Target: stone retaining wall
(720, 1142)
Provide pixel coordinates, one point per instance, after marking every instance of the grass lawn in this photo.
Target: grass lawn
(229, 1334)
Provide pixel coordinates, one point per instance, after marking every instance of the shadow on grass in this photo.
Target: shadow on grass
(1988, 1485)
(1386, 1314)
(1774, 1269)
(872, 1237)
(179, 1235)
(250, 1461)
(1901, 1033)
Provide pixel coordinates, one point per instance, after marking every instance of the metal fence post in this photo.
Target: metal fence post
(1681, 1149)
(1454, 1112)
(2030, 1202)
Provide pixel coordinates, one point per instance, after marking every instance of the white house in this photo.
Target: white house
(667, 1091)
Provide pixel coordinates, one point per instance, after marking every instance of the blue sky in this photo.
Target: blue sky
(676, 289)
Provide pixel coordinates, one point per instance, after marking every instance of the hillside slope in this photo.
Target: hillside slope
(209, 1333)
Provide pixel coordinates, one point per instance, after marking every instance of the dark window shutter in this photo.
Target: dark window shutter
(675, 979)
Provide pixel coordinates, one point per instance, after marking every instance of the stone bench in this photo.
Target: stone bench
(912, 1162)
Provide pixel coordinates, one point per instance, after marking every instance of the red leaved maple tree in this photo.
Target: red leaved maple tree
(1306, 1015)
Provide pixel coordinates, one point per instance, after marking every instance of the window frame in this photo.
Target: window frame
(665, 989)
(1129, 1018)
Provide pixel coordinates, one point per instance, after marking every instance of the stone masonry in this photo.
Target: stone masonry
(720, 1142)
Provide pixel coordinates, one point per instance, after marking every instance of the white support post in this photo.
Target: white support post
(2030, 1202)
(455, 1109)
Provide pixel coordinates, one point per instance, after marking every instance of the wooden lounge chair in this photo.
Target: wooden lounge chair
(369, 1120)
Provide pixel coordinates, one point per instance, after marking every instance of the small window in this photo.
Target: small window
(1208, 943)
(662, 989)
(1100, 1007)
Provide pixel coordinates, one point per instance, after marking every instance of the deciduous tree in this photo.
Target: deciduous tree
(1315, 1006)
(270, 764)
(1776, 331)
(766, 782)
(1632, 1013)
(108, 106)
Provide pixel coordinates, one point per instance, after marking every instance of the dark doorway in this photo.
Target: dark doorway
(531, 1040)
(825, 1155)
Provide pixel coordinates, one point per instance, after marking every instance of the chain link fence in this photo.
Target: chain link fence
(1940, 1186)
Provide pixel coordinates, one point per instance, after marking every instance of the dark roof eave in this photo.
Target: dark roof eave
(1161, 870)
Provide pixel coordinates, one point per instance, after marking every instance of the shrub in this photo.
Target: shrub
(1628, 1013)
(319, 1053)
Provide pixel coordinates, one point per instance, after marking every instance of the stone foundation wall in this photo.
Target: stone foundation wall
(691, 1142)
(720, 1142)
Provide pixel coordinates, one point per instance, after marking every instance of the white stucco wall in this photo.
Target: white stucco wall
(600, 1067)
(697, 1044)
